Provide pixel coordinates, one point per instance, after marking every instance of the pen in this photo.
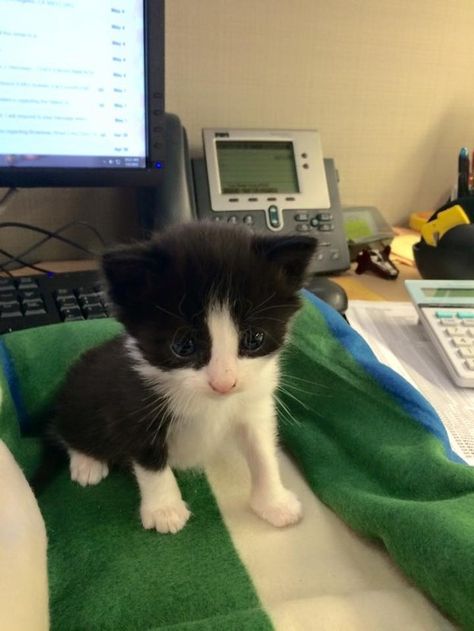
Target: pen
(471, 176)
(463, 172)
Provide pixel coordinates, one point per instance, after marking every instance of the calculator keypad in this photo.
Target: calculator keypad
(452, 330)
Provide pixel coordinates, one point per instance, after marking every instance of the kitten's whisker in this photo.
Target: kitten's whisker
(290, 418)
(252, 308)
(157, 412)
(296, 386)
(312, 383)
(280, 306)
(168, 312)
(293, 387)
(292, 396)
(267, 318)
(180, 306)
(140, 410)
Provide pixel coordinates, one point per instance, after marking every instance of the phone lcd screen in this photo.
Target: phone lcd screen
(448, 292)
(249, 167)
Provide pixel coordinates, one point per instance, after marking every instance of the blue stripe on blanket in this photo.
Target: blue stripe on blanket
(6, 364)
(408, 397)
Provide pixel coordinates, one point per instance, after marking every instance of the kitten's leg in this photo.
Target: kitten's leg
(269, 498)
(162, 506)
(86, 470)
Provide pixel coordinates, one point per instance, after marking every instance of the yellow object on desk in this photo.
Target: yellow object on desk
(446, 219)
(418, 220)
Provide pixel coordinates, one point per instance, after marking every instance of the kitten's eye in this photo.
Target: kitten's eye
(251, 339)
(183, 345)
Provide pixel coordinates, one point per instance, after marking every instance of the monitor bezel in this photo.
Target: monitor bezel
(151, 175)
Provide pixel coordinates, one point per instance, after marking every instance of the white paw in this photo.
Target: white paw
(281, 509)
(86, 470)
(167, 518)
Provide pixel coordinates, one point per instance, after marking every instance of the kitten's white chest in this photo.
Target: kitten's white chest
(197, 436)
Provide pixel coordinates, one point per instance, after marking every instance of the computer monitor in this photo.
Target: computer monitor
(81, 93)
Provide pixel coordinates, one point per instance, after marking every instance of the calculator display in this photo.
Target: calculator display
(448, 292)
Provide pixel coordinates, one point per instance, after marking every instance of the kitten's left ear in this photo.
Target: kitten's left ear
(291, 253)
(132, 271)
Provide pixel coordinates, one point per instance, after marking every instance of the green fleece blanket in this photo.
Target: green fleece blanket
(368, 444)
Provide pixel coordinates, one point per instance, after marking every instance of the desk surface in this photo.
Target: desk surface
(370, 287)
(358, 287)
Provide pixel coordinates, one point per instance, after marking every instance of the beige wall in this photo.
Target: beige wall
(389, 84)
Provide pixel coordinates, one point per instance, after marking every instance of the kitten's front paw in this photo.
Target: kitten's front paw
(86, 470)
(166, 518)
(282, 509)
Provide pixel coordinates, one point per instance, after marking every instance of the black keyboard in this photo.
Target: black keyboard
(30, 301)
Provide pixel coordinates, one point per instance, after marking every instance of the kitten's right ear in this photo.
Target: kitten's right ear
(132, 272)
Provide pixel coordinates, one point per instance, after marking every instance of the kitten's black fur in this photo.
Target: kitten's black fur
(161, 290)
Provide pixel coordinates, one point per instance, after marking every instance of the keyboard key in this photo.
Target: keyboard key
(63, 292)
(464, 315)
(30, 294)
(68, 310)
(6, 284)
(11, 311)
(8, 296)
(469, 363)
(444, 314)
(31, 311)
(73, 317)
(66, 301)
(90, 301)
(33, 307)
(94, 311)
(85, 290)
(27, 283)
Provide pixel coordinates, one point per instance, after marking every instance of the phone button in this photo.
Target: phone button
(274, 219)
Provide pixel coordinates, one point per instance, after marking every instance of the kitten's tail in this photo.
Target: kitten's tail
(53, 460)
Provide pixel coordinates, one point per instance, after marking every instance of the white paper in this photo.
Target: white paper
(398, 340)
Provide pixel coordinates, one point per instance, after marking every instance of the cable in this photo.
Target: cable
(5, 271)
(12, 257)
(10, 192)
(51, 235)
(55, 234)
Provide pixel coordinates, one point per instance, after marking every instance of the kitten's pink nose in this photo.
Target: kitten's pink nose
(224, 384)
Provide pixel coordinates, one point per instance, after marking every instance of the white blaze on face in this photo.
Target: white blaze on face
(222, 369)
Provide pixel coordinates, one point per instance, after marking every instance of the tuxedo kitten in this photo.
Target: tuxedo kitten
(206, 309)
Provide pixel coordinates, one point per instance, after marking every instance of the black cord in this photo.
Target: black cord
(12, 257)
(55, 234)
(49, 233)
(9, 192)
(5, 271)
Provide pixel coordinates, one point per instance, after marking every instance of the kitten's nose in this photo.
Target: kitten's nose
(223, 384)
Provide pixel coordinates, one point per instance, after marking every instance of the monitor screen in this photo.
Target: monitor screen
(256, 166)
(81, 91)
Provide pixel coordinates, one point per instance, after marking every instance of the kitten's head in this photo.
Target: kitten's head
(208, 304)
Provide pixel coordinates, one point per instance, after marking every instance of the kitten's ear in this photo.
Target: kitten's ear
(291, 253)
(132, 271)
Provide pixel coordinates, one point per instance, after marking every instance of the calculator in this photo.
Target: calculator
(446, 310)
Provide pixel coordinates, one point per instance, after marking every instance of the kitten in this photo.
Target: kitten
(206, 309)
